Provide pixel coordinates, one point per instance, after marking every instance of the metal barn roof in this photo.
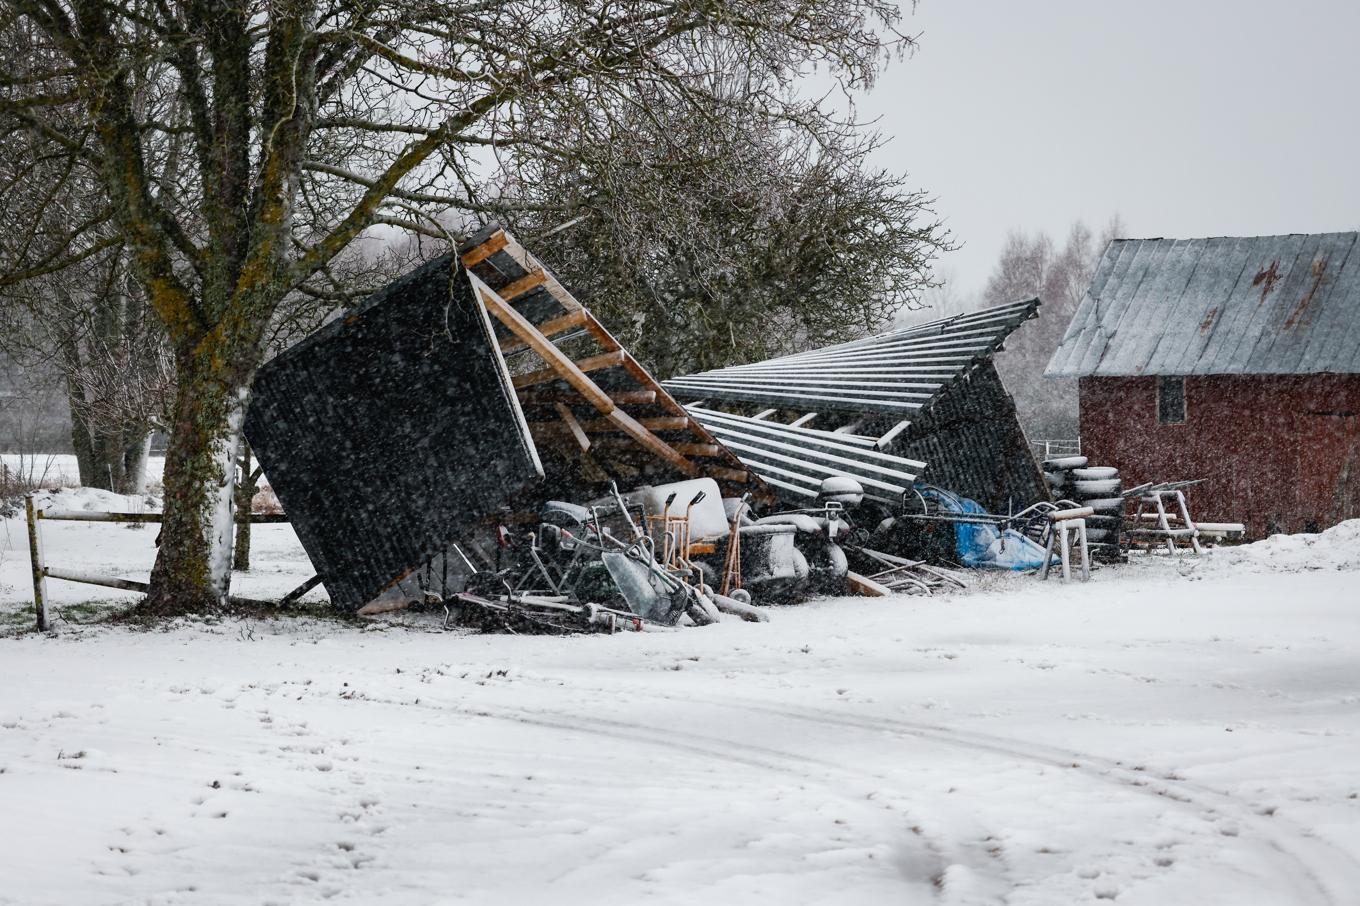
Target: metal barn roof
(895, 373)
(1256, 305)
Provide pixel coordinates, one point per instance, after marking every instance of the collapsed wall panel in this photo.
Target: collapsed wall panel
(973, 441)
(389, 429)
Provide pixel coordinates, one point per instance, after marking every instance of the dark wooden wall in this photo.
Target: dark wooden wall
(972, 444)
(390, 430)
(1279, 452)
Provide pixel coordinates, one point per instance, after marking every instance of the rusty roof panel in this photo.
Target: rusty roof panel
(1256, 305)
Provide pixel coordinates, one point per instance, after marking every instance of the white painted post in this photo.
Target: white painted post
(1066, 554)
(36, 557)
(1085, 551)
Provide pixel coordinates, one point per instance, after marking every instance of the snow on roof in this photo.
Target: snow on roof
(1255, 305)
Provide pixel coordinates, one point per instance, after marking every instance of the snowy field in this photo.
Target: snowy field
(60, 469)
(1171, 733)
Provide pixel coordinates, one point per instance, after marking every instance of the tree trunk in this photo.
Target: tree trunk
(83, 444)
(245, 495)
(193, 567)
(135, 454)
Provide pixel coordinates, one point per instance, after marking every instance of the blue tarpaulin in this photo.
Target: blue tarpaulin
(982, 545)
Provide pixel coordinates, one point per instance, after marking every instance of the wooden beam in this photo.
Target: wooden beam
(556, 358)
(532, 280)
(484, 251)
(765, 414)
(561, 324)
(802, 420)
(661, 423)
(538, 396)
(866, 586)
(544, 375)
(578, 379)
(699, 449)
(652, 442)
(569, 419)
(736, 476)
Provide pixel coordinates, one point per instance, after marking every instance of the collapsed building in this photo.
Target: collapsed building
(475, 402)
(920, 402)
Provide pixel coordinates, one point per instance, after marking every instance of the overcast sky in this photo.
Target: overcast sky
(1189, 118)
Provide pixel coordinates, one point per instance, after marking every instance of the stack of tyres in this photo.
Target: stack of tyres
(1058, 474)
(1098, 487)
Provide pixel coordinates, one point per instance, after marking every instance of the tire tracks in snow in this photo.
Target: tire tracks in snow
(1297, 845)
(722, 750)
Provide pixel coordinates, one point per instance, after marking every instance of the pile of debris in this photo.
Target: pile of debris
(459, 440)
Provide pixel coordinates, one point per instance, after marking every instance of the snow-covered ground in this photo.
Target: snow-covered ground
(1171, 733)
(60, 468)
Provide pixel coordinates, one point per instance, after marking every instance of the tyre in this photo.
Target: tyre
(1097, 487)
(1100, 535)
(1102, 522)
(1095, 472)
(1105, 503)
(1065, 462)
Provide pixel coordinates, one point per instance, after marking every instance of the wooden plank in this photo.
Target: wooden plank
(634, 397)
(484, 251)
(736, 476)
(865, 586)
(534, 279)
(802, 420)
(666, 423)
(535, 396)
(556, 358)
(569, 419)
(580, 381)
(662, 423)
(544, 375)
(560, 324)
(764, 414)
(651, 442)
(699, 449)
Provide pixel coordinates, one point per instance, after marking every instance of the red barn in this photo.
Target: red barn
(1232, 360)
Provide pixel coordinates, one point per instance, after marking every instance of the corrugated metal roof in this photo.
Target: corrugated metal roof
(1257, 305)
(895, 373)
(797, 460)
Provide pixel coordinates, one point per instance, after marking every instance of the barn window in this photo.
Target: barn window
(1171, 400)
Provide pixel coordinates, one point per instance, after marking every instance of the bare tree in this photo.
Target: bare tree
(730, 232)
(243, 148)
(1032, 265)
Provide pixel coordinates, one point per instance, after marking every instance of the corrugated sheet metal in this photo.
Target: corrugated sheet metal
(1259, 305)
(896, 373)
(797, 460)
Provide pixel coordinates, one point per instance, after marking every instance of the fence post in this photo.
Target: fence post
(35, 555)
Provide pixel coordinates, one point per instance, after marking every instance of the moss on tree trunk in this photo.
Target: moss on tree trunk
(187, 577)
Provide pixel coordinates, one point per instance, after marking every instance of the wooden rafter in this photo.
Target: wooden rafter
(579, 381)
(544, 375)
(569, 321)
(536, 313)
(574, 426)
